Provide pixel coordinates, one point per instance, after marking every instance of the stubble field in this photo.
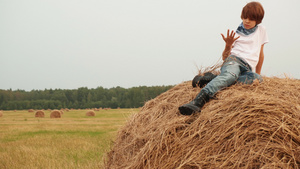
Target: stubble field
(73, 141)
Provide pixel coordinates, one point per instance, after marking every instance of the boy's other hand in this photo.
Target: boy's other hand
(229, 40)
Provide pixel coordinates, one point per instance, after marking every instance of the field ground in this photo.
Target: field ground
(73, 141)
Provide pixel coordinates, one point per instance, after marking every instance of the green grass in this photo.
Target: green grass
(73, 141)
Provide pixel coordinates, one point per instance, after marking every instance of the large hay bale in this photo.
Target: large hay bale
(55, 114)
(39, 113)
(90, 113)
(245, 126)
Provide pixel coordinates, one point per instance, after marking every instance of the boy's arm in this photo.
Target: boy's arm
(226, 52)
(229, 41)
(261, 60)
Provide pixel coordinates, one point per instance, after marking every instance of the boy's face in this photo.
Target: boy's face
(249, 24)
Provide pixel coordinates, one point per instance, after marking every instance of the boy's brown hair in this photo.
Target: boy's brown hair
(253, 11)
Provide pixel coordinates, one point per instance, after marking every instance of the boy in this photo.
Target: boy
(243, 58)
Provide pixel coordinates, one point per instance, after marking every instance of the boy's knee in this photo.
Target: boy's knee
(249, 78)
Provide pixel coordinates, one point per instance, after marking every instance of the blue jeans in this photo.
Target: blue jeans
(234, 70)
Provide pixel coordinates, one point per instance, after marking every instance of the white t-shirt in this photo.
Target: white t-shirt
(248, 47)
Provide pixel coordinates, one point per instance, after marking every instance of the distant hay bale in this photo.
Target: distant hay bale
(39, 113)
(55, 114)
(90, 113)
(245, 126)
(30, 110)
(1, 113)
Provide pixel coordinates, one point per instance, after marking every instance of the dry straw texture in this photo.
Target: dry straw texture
(90, 113)
(55, 114)
(39, 113)
(245, 126)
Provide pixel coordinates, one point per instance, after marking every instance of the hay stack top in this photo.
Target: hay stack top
(245, 126)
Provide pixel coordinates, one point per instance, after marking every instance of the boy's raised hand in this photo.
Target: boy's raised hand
(230, 38)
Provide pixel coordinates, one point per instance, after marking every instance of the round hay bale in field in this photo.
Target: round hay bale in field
(244, 126)
(90, 113)
(30, 110)
(1, 113)
(39, 113)
(55, 114)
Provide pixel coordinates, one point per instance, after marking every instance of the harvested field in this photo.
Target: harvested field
(71, 142)
(245, 126)
(39, 113)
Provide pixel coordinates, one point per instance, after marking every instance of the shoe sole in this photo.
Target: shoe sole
(188, 109)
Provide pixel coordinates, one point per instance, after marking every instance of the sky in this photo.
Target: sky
(67, 44)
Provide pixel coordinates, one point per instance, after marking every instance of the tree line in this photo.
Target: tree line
(80, 98)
